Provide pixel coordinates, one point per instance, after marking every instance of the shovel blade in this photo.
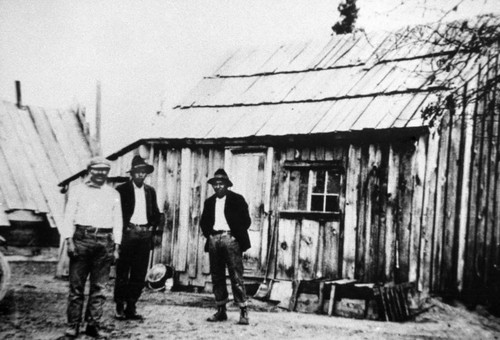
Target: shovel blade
(263, 291)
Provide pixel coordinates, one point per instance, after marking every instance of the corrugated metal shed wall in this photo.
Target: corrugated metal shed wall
(38, 149)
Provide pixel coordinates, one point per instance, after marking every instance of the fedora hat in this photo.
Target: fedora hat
(220, 175)
(139, 163)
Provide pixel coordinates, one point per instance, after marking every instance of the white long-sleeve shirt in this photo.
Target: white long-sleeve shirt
(220, 223)
(139, 216)
(94, 206)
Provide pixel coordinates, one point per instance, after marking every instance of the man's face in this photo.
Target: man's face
(138, 176)
(220, 188)
(99, 176)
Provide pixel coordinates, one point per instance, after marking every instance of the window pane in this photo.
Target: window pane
(332, 203)
(319, 182)
(333, 183)
(317, 203)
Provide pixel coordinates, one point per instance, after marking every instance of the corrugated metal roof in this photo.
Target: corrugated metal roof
(347, 83)
(38, 149)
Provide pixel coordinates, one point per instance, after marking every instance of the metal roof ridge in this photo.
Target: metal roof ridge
(305, 101)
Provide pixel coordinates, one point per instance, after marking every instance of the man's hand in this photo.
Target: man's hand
(70, 247)
(116, 253)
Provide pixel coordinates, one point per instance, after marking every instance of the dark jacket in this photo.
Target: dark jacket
(127, 197)
(237, 217)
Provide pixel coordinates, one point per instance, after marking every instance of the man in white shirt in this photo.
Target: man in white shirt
(92, 230)
(224, 222)
(141, 216)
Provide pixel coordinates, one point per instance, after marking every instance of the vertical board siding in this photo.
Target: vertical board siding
(422, 208)
(405, 197)
(449, 262)
(391, 213)
(428, 205)
(329, 265)
(184, 209)
(171, 206)
(198, 166)
(440, 212)
(308, 247)
(286, 238)
(491, 140)
(361, 245)
(418, 176)
(470, 264)
(467, 127)
(372, 212)
(495, 214)
(351, 209)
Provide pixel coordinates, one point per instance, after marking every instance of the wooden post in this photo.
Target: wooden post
(19, 100)
(331, 302)
(98, 151)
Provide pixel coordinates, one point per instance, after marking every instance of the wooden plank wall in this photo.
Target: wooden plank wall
(481, 249)
(422, 208)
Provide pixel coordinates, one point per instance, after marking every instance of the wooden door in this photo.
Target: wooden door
(247, 171)
(307, 249)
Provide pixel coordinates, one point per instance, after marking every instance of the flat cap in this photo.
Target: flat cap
(99, 163)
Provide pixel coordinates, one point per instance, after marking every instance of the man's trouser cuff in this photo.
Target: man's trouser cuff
(222, 302)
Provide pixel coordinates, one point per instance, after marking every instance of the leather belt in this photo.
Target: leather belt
(143, 227)
(92, 230)
(221, 232)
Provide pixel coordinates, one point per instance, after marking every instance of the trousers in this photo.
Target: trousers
(92, 259)
(224, 250)
(132, 265)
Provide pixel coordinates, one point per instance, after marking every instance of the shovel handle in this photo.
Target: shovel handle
(270, 245)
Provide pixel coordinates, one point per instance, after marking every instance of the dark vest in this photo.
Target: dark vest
(127, 197)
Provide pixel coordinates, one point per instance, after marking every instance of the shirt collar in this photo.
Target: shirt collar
(136, 187)
(88, 182)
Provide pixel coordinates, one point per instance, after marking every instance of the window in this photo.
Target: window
(314, 189)
(324, 191)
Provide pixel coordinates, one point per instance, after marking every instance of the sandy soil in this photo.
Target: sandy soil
(35, 309)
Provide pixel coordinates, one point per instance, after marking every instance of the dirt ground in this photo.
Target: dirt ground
(35, 309)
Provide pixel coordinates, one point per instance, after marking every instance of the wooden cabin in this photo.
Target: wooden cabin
(39, 148)
(372, 157)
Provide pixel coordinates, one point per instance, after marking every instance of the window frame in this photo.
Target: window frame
(333, 167)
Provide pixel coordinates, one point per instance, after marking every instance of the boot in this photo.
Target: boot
(96, 333)
(221, 314)
(131, 312)
(120, 311)
(72, 331)
(243, 316)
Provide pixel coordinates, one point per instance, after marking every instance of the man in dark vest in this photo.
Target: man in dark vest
(140, 219)
(224, 222)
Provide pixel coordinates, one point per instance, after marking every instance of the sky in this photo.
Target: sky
(148, 54)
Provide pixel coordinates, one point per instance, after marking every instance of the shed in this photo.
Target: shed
(372, 156)
(39, 148)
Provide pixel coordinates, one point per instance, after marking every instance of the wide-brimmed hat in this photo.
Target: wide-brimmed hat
(99, 163)
(158, 275)
(220, 175)
(139, 163)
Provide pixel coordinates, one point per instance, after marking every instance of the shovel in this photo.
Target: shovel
(264, 288)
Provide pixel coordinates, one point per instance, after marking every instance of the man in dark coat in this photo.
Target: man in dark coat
(140, 218)
(224, 222)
